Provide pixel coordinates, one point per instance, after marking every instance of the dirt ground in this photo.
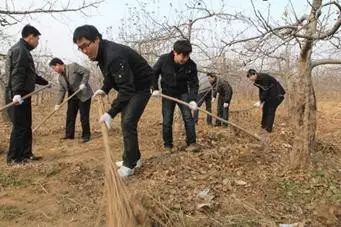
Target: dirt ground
(231, 182)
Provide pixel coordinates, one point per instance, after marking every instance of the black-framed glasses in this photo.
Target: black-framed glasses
(84, 46)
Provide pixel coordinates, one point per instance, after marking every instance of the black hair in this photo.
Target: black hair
(56, 61)
(88, 32)
(251, 72)
(29, 30)
(182, 47)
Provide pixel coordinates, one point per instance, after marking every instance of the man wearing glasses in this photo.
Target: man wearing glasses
(130, 75)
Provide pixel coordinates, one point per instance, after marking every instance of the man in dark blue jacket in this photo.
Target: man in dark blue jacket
(179, 79)
(22, 77)
(271, 95)
(130, 75)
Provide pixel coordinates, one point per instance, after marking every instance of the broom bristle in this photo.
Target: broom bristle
(120, 210)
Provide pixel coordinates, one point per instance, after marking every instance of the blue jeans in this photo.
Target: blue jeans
(168, 107)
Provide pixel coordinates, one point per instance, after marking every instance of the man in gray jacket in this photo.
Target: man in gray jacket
(71, 78)
(204, 95)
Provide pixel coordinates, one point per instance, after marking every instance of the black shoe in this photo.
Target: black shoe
(85, 140)
(34, 158)
(13, 162)
(67, 138)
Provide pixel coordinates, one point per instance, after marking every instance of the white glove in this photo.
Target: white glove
(257, 104)
(193, 105)
(99, 92)
(106, 118)
(17, 99)
(213, 99)
(56, 107)
(82, 86)
(156, 93)
(226, 105)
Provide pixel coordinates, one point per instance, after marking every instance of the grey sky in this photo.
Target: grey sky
(57, 30)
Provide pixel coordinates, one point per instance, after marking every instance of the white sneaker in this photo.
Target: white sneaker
(138, 164)
(125, 171)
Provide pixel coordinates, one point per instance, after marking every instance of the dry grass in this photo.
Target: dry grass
(66, 188)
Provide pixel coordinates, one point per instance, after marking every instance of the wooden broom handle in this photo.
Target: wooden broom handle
(53, 112)
(25, 97)
(214, 116)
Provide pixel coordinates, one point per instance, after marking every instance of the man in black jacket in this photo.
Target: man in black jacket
(22, 78)
(179, 79)
(271, 95)
(224, 89)
(127, 72)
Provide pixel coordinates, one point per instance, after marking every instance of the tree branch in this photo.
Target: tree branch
(315, 63)
(42, 10)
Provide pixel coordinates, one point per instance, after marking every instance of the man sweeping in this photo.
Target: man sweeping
(179, 79)
(130, 75)
(271, 95)
(72, 77)
(22, 77)
(224, 89)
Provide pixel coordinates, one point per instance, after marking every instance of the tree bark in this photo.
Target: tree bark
(303, 103)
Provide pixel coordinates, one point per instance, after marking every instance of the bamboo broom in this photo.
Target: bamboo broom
(120, 211)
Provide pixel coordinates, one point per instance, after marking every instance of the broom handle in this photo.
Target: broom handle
(103, 126)
(53, 112)
(25, 97)
(214, 116)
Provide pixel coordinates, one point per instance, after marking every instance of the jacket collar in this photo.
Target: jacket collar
(25, 44)
(100, 54)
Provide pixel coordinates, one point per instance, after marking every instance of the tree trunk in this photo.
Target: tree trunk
(303, 103)
(303, 110)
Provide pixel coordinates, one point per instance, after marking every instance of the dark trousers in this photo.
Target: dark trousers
(20, 146)
(73, 105)
(222, 112)
(207, 98)
(130, 116)
(269, 111)
(168, 107)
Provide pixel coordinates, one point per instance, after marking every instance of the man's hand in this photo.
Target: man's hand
(56, 107)
(259, 104)
(226, 105)
(17, 100)
(213, 99)
(193, 105)
(156, 93)
(106, 118)
(82, 86)
(99, 92)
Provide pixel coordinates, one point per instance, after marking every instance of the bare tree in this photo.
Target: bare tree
(10, 14)
(258, 39)
(305, 32)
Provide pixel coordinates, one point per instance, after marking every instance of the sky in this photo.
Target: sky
(57, 29)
